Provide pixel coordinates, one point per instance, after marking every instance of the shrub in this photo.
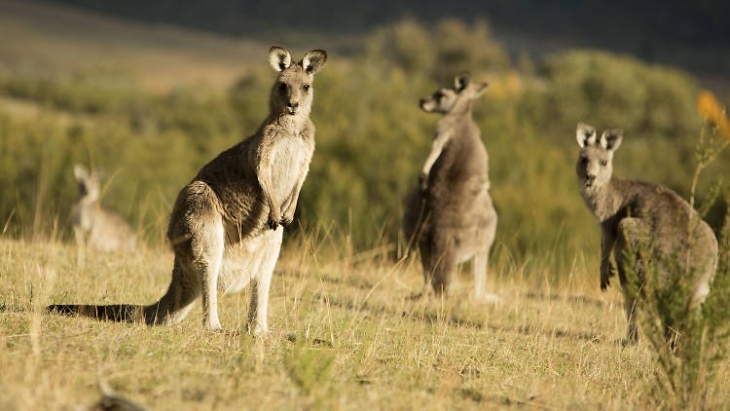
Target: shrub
(689, 344)
(617, 91)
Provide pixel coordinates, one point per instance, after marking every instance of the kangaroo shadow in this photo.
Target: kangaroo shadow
(426, 312)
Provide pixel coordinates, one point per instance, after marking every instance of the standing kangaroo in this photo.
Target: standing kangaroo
(450, 215)
(94, 225)
(227, 224)
(633, 214)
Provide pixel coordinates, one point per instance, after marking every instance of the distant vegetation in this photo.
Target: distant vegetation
(675, 19)
(692, 35)
(371, 137)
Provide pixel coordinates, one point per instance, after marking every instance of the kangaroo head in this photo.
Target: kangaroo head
(292, 92)
(88, 183)
(595, 160)
(448, 99)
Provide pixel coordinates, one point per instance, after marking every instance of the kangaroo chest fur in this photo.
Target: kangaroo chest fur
(459, 176)
(233, 176)
(289, 162)
(457, 201)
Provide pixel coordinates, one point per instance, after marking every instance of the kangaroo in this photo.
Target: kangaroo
(450, 215)
(94, 225)
(633, 214)
(227, 224)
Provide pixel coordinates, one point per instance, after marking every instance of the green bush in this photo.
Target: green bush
(442, 52)
(617, 91)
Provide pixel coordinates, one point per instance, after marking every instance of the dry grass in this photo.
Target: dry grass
(344, 337)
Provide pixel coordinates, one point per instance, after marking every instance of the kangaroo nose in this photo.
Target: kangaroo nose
(293, 104)
(590, 178)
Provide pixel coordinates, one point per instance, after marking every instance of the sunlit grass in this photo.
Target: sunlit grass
(344, 336)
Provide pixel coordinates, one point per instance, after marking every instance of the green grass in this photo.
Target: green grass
(344, 336)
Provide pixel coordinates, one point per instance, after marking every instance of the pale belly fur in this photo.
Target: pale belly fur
(245, 260)
(249, 258)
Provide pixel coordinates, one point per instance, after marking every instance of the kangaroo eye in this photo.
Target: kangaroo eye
(305, 87)
(282, 86)
(604, 162)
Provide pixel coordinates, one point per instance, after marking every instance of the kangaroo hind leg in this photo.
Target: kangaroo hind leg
(261, 283)
(481, 260)
(198, 238)
(207, 248)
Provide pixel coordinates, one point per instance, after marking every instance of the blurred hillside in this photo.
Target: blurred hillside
(691, 34)
(150, 104)
(42, 37)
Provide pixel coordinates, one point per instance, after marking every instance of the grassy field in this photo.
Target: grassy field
(344, 336)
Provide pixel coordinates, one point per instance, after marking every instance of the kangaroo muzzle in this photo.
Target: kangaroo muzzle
(292, 107)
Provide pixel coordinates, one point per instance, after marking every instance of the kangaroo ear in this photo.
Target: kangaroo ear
(314, 60)
(279, 58)
(586, 135)
(611, 139)
(81, 173)
(462, 81)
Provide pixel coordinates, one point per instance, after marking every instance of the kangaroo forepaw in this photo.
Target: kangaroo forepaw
(273, 224)
(423, 182)
(286, 220)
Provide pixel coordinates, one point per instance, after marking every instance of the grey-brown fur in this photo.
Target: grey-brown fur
(450, 215)
(634, 214)
(94, 225)
(226, 226)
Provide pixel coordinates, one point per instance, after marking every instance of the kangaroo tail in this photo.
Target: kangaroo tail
(115, 312)
(170, 309)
